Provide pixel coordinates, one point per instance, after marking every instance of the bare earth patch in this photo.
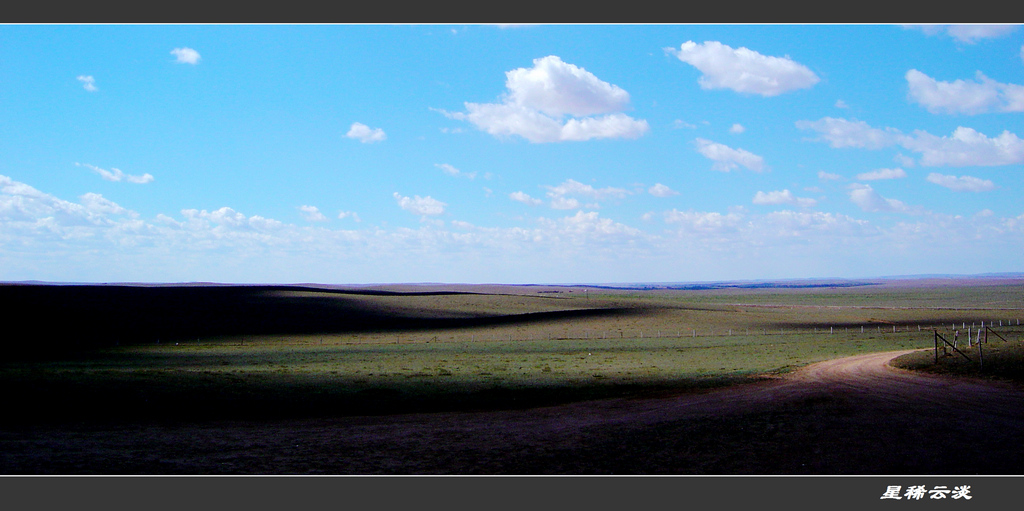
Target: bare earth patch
(856, 415)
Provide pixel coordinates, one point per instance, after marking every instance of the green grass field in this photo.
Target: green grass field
(492, 350)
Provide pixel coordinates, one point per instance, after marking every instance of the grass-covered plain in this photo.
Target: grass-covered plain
(284, 352)
(300, 376)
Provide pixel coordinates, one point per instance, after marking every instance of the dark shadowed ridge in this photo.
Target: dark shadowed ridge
(63, 319)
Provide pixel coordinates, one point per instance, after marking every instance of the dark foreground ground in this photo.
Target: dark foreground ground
(855, 416)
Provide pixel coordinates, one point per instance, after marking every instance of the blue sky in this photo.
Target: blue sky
(510, 154)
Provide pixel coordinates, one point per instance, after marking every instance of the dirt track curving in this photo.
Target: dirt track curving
(855, 415)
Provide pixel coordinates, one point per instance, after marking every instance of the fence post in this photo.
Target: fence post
(981, 356)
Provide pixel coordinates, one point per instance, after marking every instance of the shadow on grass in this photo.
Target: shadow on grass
(69, 320)
(51, 399)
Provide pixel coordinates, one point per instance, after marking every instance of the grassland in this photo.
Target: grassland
(113, 353)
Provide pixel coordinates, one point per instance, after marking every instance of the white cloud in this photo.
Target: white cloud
(841, 104)
(971, 33)
(904, 160)
(224, 216)
(186, 56)
(312, 214)
(557, 88)
(524, 198)
(783, 197)
(679, 123)
(96, 203)
(53, 239)
(88, 83)
(967, 33)
(562, 195)
(349, 214)
(573, 187)
(588, 225)
(705, 222)
(539, 98)
(564, 203)
(365, 134)
(24, 209)
(117, 175)
(844, 133)
(737, 128)
(744, 70)
(877, 174)
(727, 158)
(964, 97)
(962, 183)
(825, 176)
(869, 200)
(660, 190)
(452, 171)
(420, 205)
(965, 147)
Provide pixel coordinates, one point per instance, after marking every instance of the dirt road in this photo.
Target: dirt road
(855, 415)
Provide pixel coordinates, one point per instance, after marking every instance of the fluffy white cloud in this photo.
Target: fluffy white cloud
(962, 183)
(904, 160)
(24, 209)
(557, 88)
(312, 214)
(964, 97)
(737, 128)
(562, 195)
(186, 55)
(783, 197)
(524, 198)
(967, 33)
(561, 202)
(616, 125)
(660, 190)
(421, 205)
(825, 176)
(965, 147)
(349, 214)
(744, 70)
(877, 174)
(587, 225)
(845, 133)
(800, 224)
(117, 175)
(539, 98)
(868, 199)
(94, 239)
(365, 134)
(96, 203)
(705, 222)
(573, 187)
(452, 171)
(88, 83)
(727, 158)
